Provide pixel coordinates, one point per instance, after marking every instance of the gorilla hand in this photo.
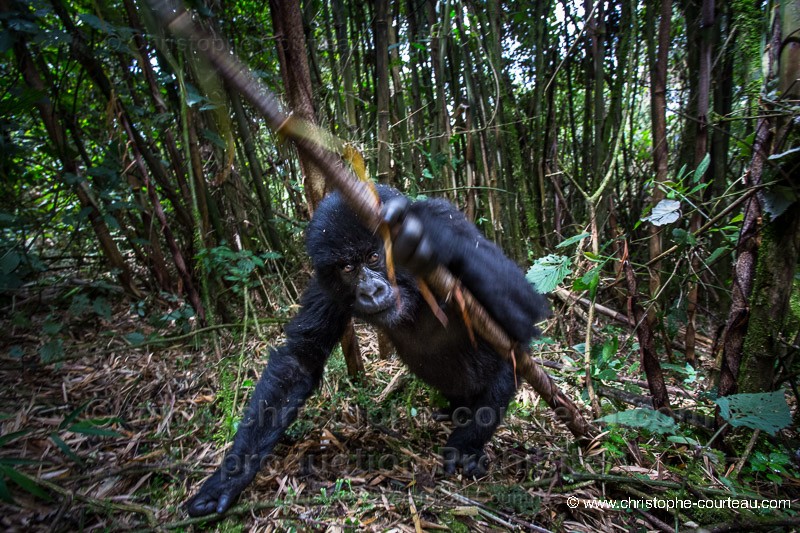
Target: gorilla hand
(410, 246)
(222, 489)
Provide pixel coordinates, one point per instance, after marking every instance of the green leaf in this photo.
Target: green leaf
(101, 306)
(9, 262)
(64, 447)
(136, 338)
(681, 236)
(588, 282)
(51, 350)
(681, 173)
(701, 168)
(547, 272)
(765, 411)
(25, 482)
(86, 429)
(5, 494)
(52, 328)
(716, 254)
(96, 23)
(73, 415)
(214, 138)
(572, 240)
(683, 440)
(193, 96)
(8, 437)
(610, 348)
(79, 305)
(90, 427)
(647, 419)
(776, 200)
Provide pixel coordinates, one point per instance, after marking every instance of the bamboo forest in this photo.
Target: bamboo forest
(400, 265)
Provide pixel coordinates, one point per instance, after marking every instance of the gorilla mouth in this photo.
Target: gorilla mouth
(383, 309)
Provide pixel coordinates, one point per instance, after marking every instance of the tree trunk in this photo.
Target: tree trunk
(744, 270)
(382, 89)
(702, 99)
(658, 109)
(765, 344)
(288, 24)
(287, 21)
(345, 64)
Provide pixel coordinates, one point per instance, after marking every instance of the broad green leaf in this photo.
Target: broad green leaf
(214, 138)
(648, 419)
(52, 328)
(9, 262)
(547, 272)
(135, 338)
(51, 350)
(101, 306)
(776, 200)
(193, 96)
(766, 411)
(681, 236)
(96, 23)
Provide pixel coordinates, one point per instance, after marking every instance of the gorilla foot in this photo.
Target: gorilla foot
(473, 464)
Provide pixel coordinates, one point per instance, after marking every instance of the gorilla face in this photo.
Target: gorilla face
(350, 263)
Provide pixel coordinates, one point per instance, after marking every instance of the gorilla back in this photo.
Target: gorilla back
(350, 280)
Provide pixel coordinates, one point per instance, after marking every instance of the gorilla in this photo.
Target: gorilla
(350, 280)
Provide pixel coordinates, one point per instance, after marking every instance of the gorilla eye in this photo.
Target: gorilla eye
(349, 267)
(374, 258)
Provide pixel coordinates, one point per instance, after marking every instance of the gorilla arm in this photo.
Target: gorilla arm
(293, 372)
(433, 232)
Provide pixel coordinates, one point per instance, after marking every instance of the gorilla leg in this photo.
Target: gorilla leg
(476, 420)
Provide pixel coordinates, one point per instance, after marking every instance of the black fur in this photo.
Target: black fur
(350, 280)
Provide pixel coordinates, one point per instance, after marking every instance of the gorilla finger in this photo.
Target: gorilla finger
(407, 239)
(394, 210)
(424, 258)
(224, 502)
(201, 506)
(474, 469)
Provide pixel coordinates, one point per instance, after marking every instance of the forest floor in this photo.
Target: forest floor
(115, 433)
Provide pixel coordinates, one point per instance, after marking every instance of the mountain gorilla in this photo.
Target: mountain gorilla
(350, 280)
